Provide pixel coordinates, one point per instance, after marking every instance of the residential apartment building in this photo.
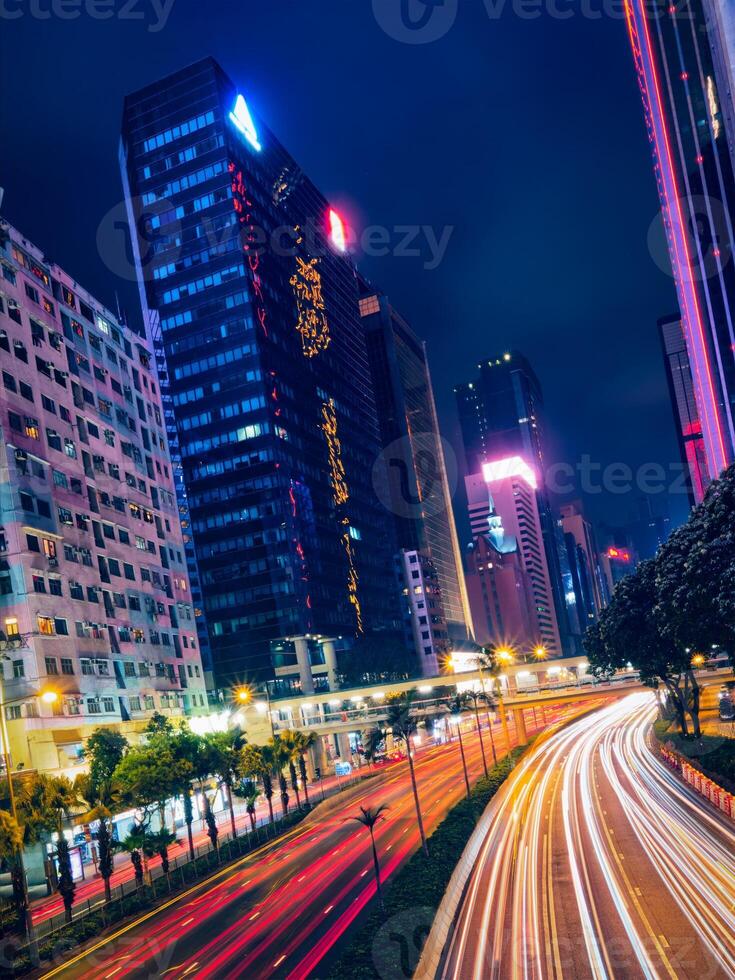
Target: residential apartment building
(95, 601)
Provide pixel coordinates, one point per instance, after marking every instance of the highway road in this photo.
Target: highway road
(278, 911)
(599, 863)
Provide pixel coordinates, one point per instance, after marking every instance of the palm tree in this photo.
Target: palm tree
(371, 740)
(158, 842)
(456, 706)
(276, 755)
(487, 663)
(403, 726)
(102, 798)
(475, 697)
(134, 845)
(58, 798)
(11, 846)
(305, 740)
(369, 817)
(291, 742)
(225, 760)
(254, 764)
(250, 792)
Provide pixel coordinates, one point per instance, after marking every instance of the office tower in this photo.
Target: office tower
(499, 592)
(589, 584)
(251, 302)
(684, 404)
(95, 603)
(504, 510)
(683, 56)
(415, 473)
(424, 618)
(501, 416)
(616, 563)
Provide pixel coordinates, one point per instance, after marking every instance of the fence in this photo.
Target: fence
(706, 787)
(183, 870)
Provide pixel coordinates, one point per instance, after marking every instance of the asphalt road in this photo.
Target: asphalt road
(278, 911)
(599, 863)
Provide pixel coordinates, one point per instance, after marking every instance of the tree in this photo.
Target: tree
(695, 574)
(158, 842)
(60, 800)
(134, 845)
(104, 750)
(224, 748)
(456, 706)
(185, 746)
(477, 697)
(403, 724)
(369, 817)
(291, 740)
(276, 756)
(249, 791)
(152, 774)
(371, 741)
(102, 799)
(629, 631)
(304, 741)
(254, 765)
(11, 847)
(159, 724)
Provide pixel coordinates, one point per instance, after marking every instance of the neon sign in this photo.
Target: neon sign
(337, 234)
(501, 469)
(242, 120)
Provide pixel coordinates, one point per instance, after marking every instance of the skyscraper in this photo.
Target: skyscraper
(501, 417)
(589, 582)
(252, 305)
(684, 56)
(415, 474)
(684, 404)
(504, 511)
(95, 602)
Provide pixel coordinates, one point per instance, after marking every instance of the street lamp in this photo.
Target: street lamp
(540, 652)
(698, 660)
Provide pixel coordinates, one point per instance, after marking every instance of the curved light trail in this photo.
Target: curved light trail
(599, 863)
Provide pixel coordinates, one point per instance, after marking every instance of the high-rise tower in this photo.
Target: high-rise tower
(252, 305)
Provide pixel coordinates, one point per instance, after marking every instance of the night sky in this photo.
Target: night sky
(526, 136)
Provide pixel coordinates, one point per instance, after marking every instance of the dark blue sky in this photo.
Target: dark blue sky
(525, 136)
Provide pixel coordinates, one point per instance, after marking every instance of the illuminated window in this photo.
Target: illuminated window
(45, 625)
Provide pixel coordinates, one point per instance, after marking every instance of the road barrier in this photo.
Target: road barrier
(706, 787)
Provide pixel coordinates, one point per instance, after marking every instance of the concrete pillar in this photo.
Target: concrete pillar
(504, 721)
(330, 659)
(302, 659)
(343, 742)
(520, 722)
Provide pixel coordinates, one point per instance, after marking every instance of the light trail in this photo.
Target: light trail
(595, 852)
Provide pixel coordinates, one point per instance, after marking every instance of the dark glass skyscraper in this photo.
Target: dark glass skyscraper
(416, 480)
(252, 306)
(684, 56)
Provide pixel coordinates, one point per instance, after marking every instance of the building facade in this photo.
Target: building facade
(251, 302)
(424, 617)
(501, 416)
(95, 601)
(684, 404)
(504, 508)
(589, 582)
(415, 473)
(683, 57)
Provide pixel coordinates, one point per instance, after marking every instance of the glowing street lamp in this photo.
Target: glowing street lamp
(49, 696)
(698, 660)
(540, 653)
